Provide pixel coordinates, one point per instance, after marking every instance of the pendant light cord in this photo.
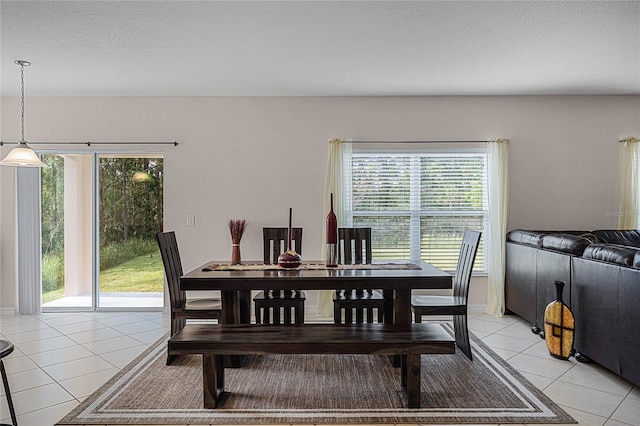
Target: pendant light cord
(22, 101)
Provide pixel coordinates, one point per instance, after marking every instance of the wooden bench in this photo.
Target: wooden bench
(215, 340)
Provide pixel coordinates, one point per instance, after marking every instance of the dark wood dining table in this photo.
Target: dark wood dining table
(396, 282)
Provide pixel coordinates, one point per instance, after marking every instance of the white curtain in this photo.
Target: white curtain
(498, 196)
(629, 211)
(29, 241)
(333, 183)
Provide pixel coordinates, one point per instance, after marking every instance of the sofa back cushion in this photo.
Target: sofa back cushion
(566, 243)
(623, 237)
(529, 238)
(611, 253)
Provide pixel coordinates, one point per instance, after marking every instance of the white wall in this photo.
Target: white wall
(254, 158)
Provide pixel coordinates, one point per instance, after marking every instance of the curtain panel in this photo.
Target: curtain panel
(333, 184)
(29, 241)
(629, 207)
(498, 197)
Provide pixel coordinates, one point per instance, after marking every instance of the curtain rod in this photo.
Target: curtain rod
(391, 142)
(89, 143)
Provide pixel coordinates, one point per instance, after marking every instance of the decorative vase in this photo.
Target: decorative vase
(332, 237)
(289, 259)
(559, 325)
(235, 254)
(237, 228)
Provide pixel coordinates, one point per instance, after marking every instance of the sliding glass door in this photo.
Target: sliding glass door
(130, 202)
(100, 214)
(67, 214)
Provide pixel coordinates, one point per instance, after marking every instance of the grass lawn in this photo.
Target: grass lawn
(140, 274)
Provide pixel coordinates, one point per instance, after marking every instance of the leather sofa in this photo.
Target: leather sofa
(602, 273)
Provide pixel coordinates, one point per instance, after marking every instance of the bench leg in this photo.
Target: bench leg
(412, 367)
(212, 379)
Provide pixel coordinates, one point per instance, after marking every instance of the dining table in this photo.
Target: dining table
(396, 279)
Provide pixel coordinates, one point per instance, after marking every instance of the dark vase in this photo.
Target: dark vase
(332, 237)
(235, 254)
(559, 325)
(289, 259)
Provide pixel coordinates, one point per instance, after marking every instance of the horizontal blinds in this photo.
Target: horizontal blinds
(419, 204)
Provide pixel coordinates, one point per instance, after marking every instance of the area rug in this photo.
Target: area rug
(318, 389)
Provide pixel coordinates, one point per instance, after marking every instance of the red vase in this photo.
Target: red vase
(332, 237)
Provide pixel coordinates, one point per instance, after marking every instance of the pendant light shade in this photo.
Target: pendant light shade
(22, 155)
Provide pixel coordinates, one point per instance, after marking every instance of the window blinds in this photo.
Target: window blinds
(418, 204)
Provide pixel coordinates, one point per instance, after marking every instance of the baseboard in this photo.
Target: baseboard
(8, 311)
(477, 307)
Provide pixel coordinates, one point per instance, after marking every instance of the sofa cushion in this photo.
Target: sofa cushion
(623, 237)
(593, 238)
(529, 238)
(611, 253)
(566, 243)
(636, 260)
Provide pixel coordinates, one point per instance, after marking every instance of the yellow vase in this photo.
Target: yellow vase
(559, 326)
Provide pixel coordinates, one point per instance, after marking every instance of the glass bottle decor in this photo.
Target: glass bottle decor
(559, 325)
(332, 237)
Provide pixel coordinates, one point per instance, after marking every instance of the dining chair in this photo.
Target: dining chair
(279, 306)
(6, 348)
(354, 247)
(182, 307)
(456, 304)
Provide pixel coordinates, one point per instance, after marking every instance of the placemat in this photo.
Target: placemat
(308, 266)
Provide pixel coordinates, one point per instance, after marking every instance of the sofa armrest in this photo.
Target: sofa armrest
(528, 238)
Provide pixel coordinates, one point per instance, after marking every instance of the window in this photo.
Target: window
(418, 203)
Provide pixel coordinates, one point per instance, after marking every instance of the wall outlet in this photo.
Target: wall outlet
(191, 220)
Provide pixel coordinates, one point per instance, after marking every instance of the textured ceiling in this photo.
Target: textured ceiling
(321, 48)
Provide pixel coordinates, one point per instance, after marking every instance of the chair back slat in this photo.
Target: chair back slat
(354, 246)
(172, 266)
(356, 305)
(275, 242)
(468, 250)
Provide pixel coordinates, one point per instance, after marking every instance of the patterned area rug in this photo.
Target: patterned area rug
(318, 389)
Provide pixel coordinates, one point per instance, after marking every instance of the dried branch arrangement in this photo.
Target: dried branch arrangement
(237, 228)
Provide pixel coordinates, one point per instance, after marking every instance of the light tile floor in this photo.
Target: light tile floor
(61, 358)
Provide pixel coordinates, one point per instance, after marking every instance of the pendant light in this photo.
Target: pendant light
(22, 155)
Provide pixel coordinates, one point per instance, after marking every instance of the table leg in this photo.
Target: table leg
(402, 306)
(230, 309)
(212, 379)
(413, 380)
(244, 308)
(403, 371)
(388, 305)
(231, 315)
